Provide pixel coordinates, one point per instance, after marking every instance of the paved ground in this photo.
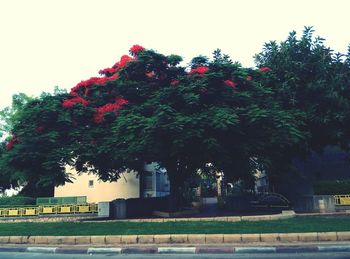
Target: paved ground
(319, 248)
(201, 256)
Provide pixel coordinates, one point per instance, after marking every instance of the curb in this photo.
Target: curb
(180, 250)
(73, 218)
(191, 239)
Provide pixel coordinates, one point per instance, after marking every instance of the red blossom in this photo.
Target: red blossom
(11, 142)
(9, 145)
(113, 77)
(122, 62)
(199, 70)
(136, 49)
(174, 82)
(107, 71)
(69, 103)
(249, 78)
(98, 117)
(109, 107)
(76, 88)
(150, 74)
(87, 90)
(265, 69)
(92, 81)
(230, 83)
(73, 93)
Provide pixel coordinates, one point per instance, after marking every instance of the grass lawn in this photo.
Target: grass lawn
(298, 224)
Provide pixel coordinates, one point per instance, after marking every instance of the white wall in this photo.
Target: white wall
(125, 187)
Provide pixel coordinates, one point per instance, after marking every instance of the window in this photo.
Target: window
(91, 183)
(147, 181)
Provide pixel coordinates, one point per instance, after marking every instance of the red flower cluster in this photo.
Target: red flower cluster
(11, 143)
(122, 62)
(107, 71)
(136, 49)
(69, 103)
(249, 78)
(92, 81)
(109, 107)
(174, 82)
(230, 83)
(110, 73)
(200, 70)
(150, 74)
(265, 69)
(113, 77)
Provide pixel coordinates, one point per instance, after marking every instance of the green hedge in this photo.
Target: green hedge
(16, 201)
(332, 187)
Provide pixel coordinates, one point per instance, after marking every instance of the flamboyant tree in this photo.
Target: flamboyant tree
(148, 108)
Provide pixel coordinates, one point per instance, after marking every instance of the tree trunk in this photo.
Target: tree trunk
(177, 176)
(174, 194)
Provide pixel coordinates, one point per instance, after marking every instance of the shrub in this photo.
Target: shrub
(16, 201)
(332, 187)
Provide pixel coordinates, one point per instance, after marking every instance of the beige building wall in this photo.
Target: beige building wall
(96, 190)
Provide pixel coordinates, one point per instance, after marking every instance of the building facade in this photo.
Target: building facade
(152, 182)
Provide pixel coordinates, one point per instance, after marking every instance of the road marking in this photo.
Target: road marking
(255, 249)
(104, 250)
(41, 249)
(340, 248)
(176, 250)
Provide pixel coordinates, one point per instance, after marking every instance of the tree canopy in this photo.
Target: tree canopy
(311, 79)
(149, 108)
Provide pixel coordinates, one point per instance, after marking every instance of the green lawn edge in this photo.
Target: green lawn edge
(292, 225)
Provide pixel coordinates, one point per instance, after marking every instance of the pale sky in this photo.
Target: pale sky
(44, 43)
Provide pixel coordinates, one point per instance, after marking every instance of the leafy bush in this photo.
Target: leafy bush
(332, 187)
(16, 201)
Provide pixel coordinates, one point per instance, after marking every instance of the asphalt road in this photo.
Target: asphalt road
(177, 256)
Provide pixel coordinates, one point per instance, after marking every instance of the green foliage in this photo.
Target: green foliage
(9, 115)
(218, 57)
(174, 60)
(309, 77)
(332, 187)
(201, 119)
(238, 119)
(199, 61)
(38, 158)
(16, 201)
(311, 81)
(292, 225)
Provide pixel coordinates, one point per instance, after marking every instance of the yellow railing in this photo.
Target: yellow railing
(48, 209)
(342, 199)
